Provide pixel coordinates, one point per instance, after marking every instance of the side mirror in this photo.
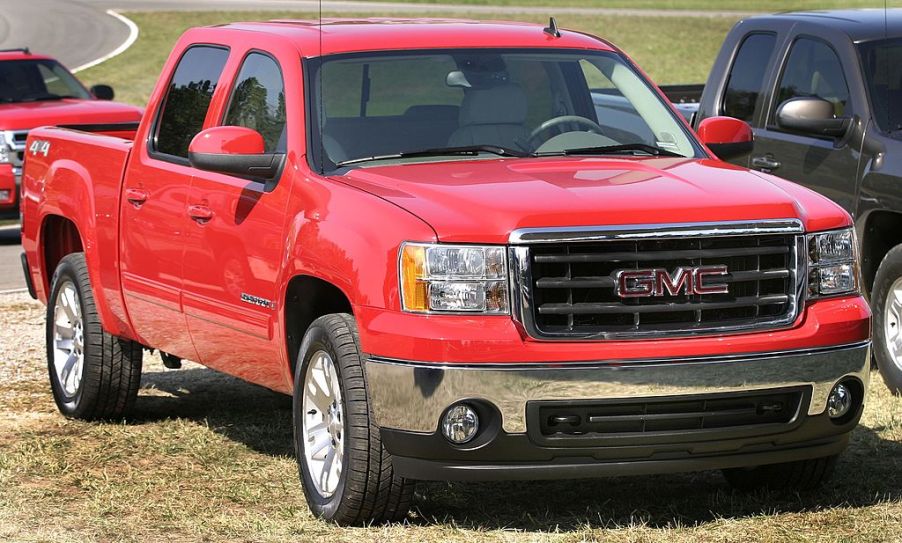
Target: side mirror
(235, 150)
(103, 92)
(726, 137)
(812, 115)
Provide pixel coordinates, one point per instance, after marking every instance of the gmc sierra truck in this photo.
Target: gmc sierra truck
(36, 90)
(822, 92)
(468, 250)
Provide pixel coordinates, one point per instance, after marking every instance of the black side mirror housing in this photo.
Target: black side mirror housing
(812, 115)
(103, 92)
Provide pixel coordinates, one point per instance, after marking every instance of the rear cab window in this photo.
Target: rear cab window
(813, 69)
(742, 97)
(187, 100)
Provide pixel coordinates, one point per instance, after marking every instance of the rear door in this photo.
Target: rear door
(154, 222)
(233, 259)
(813, 67)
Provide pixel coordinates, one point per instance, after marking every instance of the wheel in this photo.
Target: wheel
(886, 300)
(799, 475)
(346, 473)
(93, 374)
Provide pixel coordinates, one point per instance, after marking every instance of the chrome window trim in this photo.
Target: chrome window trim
(581, 234)
(519, 266)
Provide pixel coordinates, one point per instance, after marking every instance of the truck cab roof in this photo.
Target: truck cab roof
(859, 24)
(337, 36)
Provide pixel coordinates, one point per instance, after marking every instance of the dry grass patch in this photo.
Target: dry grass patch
(208, 458)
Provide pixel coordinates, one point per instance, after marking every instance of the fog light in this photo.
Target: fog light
(460, 424)
(839, 402)
(4, 195)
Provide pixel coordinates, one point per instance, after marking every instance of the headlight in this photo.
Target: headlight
(454, 279)
(832, 263)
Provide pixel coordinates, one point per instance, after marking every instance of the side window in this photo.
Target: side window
(813, 69)
(258, 100)
(188, 98)
(746, 77)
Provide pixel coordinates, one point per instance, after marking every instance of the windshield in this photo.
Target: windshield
(451, 105)
(882, 61)
(37, 80)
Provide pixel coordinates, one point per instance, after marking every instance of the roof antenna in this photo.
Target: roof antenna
(552, 30)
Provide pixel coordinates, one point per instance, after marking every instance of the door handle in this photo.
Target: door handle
(136, 197)
(199, 213)
(766, 162)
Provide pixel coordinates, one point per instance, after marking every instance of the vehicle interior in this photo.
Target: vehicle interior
(526, 102)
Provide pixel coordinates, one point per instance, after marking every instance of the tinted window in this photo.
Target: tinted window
(813, 69)
(188, 98)
(258, 100)
(882, 62)
(37, 80)
(747, 76)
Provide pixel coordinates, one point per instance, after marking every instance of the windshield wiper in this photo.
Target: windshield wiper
(471, 150)
(615, 149)
(46, 98)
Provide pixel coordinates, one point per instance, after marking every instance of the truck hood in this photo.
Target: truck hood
(483, 201)
(28, 115)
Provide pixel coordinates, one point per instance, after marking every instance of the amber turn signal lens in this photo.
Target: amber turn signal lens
(414, 289)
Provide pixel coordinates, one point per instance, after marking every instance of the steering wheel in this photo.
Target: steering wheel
(564, 119)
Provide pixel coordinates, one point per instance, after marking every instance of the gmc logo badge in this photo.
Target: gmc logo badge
(658, 282)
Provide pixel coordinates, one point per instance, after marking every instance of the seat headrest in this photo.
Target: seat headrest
(504, 104)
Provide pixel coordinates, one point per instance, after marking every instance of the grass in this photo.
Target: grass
(705, 5)
(208, 458)
(671, 50)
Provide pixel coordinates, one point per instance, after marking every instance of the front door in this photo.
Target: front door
(153, 219)
(235, 245)
(827, 165)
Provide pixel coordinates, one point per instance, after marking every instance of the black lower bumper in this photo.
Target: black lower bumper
(516, 456)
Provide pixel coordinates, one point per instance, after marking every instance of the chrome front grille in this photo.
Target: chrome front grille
(16, 140)
(565, 281)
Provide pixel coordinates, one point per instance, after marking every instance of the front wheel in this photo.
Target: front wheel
(346, 473)
(93, 374)
(886, 300)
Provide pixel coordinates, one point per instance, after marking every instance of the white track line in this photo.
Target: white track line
(132, 36)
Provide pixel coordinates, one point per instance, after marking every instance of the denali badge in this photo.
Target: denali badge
(657, 282)
(254, 300)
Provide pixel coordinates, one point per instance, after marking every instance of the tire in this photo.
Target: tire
(799, 475)
(366, 489)
(888, 318)
(93, 375)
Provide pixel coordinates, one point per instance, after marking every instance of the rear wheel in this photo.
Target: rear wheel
(886, 299)
(346, 473)
(93, 374)
(799, 475)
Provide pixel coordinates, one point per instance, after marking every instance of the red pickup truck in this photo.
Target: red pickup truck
(469, 250)
(36, 90)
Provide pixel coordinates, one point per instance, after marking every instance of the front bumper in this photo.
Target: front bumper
(10, 180)
(408, 400)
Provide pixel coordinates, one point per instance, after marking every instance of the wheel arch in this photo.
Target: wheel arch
(882, 231)
(307, 298)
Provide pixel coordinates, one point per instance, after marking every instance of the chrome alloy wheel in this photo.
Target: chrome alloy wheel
(68, 339)
(323, 424)
(892, 321)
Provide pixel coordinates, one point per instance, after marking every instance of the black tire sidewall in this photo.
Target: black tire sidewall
(888, 272)
(317, 339)
(67, 271)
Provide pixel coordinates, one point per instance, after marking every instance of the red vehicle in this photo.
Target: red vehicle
(469, 250)
(36, 90)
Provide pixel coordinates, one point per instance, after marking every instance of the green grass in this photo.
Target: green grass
(724, 5)
(671, 50)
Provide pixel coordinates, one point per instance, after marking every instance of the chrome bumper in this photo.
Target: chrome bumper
(412, 396)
